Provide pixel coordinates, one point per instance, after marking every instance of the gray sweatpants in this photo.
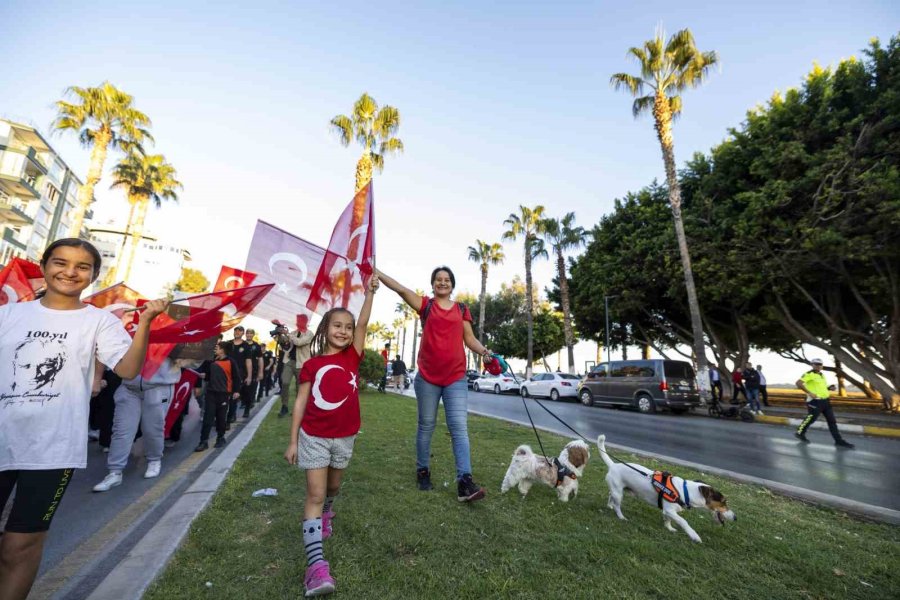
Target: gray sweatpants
(147, 408)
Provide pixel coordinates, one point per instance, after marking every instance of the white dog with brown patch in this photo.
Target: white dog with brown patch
(561, 473)
(673, 495)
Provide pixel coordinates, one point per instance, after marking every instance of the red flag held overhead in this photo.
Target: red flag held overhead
(350, 258)
(231, 278)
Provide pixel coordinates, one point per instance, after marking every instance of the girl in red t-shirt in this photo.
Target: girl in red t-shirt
(323, 431)
(442, 376)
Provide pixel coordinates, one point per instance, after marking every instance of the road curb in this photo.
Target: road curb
(844, 427)
(870, 511)
(143, 564)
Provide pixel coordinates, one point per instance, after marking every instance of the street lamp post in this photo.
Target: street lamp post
(606, 305)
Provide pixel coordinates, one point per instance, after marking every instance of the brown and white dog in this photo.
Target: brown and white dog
(527, 468)
(639, 480)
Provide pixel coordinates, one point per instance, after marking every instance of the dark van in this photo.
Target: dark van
(644, 384)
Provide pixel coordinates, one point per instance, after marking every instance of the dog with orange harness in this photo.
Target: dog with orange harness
(671, 494)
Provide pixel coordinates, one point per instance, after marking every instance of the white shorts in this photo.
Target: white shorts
(318, 453)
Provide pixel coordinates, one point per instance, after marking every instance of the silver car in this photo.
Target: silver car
(646, 385)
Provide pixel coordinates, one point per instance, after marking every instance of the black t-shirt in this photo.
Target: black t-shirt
(240, 353)
(255, 354)
(398, 367)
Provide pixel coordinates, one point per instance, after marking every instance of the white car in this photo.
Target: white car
(495, 383)
(552, 385)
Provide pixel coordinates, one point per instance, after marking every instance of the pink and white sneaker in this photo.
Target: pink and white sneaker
(326, 524)
(318, 580)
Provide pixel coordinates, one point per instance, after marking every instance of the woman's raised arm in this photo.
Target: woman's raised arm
(409, 296)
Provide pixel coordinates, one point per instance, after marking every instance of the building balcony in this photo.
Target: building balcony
(9, 236)
(10, 212)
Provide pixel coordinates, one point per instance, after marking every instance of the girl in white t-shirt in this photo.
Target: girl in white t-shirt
(47, 358)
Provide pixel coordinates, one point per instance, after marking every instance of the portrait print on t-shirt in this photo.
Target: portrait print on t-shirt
(37, 361)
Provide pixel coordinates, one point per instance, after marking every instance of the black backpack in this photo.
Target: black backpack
(427, 310)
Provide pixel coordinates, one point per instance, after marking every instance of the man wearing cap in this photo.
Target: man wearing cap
(817, 402)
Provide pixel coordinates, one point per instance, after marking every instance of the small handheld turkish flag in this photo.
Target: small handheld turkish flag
(231, 279)
(180, 397)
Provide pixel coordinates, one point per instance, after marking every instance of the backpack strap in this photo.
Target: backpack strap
(427, 310)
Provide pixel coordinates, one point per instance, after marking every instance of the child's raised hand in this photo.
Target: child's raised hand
(374, 283)
(290, 454)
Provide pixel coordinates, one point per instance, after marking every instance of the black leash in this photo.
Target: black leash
(536, 434)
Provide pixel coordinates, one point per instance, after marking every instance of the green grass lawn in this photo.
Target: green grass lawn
(393, 541)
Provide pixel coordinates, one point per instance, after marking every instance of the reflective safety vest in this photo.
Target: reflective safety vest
(665, 489)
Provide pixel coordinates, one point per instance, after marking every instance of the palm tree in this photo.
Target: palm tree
(374, 129)
(145, 179)
(415, 317)
(529, 225)
(667, 69)
(485, 255)
(563, 235)
(104, 118)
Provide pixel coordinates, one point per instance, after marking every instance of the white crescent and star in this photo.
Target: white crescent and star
(238, 281)
(316, 391)
(181, 387)
(11, 296)
(288, 257)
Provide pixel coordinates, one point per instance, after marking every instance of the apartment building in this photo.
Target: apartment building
(38, 193)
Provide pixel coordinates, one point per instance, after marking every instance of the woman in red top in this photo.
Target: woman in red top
(446, 328)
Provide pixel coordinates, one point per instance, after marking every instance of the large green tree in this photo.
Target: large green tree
(375, 129)
(528, 224)
(668, 68)
(563, 236)
(104, 117)
(147, 179)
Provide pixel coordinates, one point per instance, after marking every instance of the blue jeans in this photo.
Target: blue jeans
(753, 398)
(455, 397)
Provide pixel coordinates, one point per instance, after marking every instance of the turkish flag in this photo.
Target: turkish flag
(19, 280)
(291, 264)
(180, 398)
(119, 298)
(350, 258)
(231, 278)
(211, 314)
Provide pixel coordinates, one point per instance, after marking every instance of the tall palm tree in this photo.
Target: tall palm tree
(667, 69)
(146, 179)
(399, 325)
(415, 339)
(104, 118)
(528, 224)
(485, 255)
(563, 235)
(374, 129)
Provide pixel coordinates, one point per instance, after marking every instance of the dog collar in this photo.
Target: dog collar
(562, 471)
(687, 496)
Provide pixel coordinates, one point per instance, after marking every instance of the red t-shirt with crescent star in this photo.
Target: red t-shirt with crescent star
(332, 410)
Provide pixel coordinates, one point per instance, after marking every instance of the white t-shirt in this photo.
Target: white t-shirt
(46, 372)
(762, 378)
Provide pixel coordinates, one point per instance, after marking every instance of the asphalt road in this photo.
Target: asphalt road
(866, 474)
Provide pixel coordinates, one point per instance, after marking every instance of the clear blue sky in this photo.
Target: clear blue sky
(502, 103)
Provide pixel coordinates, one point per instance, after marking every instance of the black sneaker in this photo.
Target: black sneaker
(220, 442)
(283, 412)
(801, 437)
(844, 444)
(423, 479)
(468, 490)
(202, 446)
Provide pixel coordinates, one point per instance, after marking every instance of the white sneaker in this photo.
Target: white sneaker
(93, 434)
(105, 449)
(112, 479)
(153, 468)
(759, 412)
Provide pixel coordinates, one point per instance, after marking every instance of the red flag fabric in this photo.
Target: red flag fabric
(180, 398)
(350, 258)
(231, 279)
(19, 280)
(288, 262)
(117, 299)
(211, 314)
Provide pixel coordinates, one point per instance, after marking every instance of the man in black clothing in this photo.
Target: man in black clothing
(256, 372)
(398, 370)
(239, 350)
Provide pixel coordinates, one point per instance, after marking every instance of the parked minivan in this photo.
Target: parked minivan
(644, 384)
